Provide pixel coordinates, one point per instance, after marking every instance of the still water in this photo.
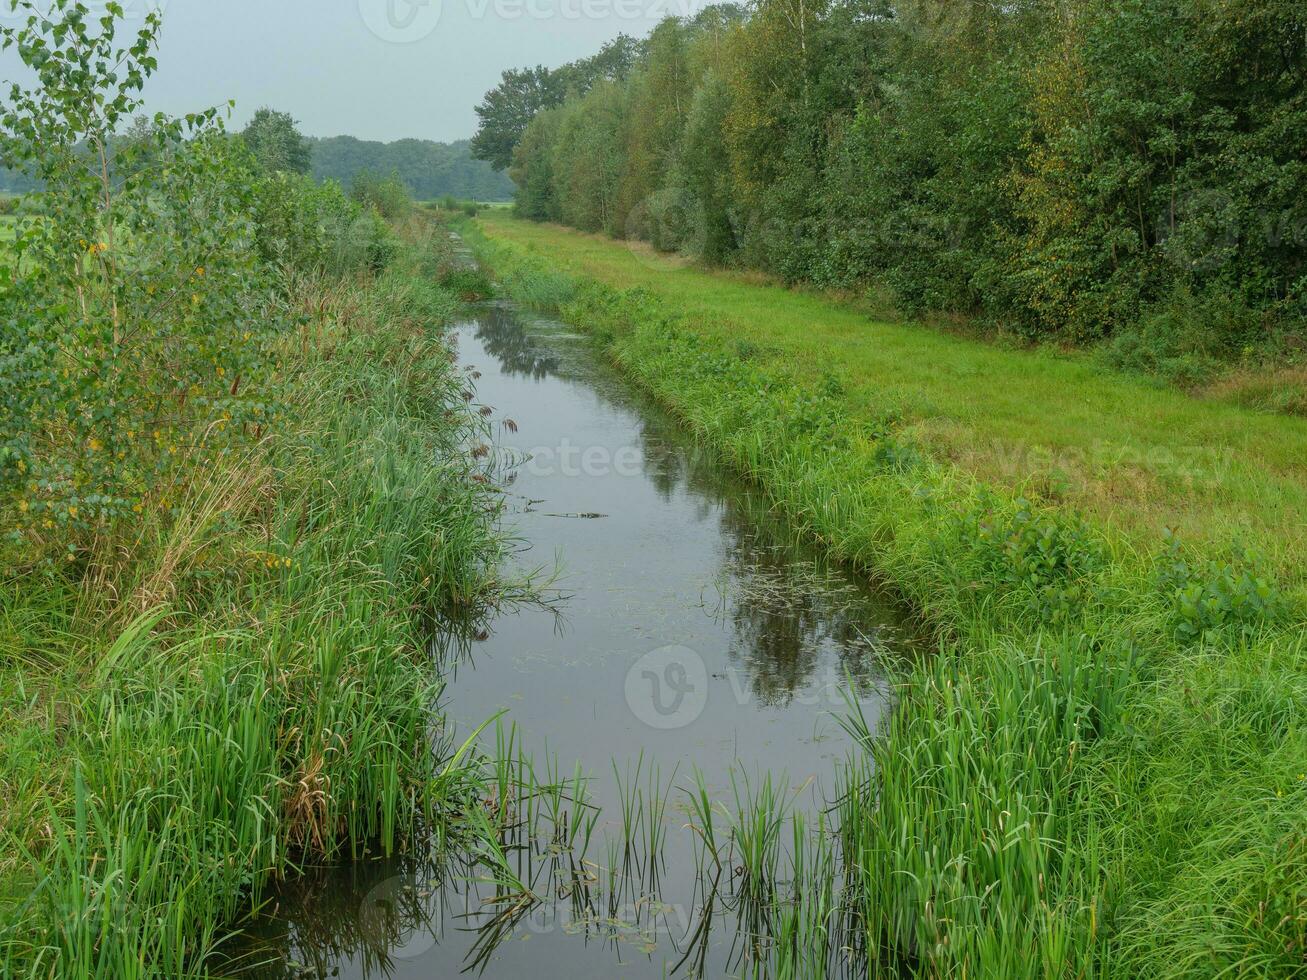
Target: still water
(690, 644)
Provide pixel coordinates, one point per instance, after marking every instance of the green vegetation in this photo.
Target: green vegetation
(1051, 427)
(1102, 771)
(429, 170)
(235, 494)
(1123, 173)
(276, 143)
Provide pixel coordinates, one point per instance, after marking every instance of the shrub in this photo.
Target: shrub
(388, 195)
(1048, 559)
(1206, 597)
(1187, 340)
(136, 322)
(314, 227)
(469, 284)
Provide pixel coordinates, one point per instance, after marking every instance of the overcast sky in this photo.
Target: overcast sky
(376, 69)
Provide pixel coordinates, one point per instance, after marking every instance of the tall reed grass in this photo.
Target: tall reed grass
(247, 683)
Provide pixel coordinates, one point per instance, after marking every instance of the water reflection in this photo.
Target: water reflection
(670, 551)
(519, 353)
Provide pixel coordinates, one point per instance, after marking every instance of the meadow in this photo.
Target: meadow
(1101, 772)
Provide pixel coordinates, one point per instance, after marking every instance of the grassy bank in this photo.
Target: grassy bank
(1102, 773)
(245, 683)
(1049, 426)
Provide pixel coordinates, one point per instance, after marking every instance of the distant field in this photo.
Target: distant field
(1140, 457)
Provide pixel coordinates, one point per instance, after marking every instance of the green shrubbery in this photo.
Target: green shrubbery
(137, 323)
(313, 227)
(140, 327)
(233, 495)
(1082, 171)
(388, 195)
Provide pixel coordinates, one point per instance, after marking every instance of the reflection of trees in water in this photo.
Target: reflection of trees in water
(501, 332)
(785, 609)
(363, 911)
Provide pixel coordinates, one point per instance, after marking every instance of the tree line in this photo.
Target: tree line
(429, 170)
(1078, 170)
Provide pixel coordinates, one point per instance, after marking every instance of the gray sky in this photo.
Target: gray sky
(376, 69)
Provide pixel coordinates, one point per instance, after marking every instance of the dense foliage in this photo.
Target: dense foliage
(141, 306)
(235, 489)
(1131, 170)
(276, 142)
(509, 107)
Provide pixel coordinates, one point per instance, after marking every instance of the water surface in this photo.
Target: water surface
(692, 641)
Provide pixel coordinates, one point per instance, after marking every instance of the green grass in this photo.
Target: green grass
(1053, 426)
(247, 683)
(1101, 773)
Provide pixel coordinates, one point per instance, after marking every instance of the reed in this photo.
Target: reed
(245, 685)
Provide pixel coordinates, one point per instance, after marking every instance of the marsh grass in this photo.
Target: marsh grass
(245, 685)
(1098, 772)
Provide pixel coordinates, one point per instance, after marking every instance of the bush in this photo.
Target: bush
(1189, 339)
(314, 227)
(136, 336)
(1206, 597)
(1048, 560)
(468, 284)
(388, 195)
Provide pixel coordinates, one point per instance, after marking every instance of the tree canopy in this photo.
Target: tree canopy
(276, 142)
(1085, 169)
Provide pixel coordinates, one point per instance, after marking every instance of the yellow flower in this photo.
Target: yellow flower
(22, 506)
(72, 512)
(96, 445)
(199, 271)
(221, 372)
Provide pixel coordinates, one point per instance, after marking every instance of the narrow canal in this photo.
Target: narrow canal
(692, 651)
